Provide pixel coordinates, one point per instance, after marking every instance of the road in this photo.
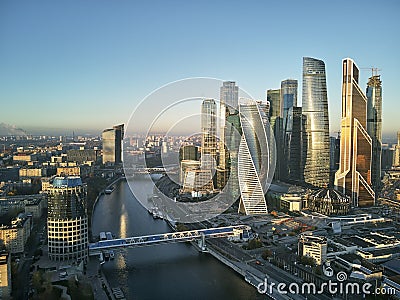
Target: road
(20, 284)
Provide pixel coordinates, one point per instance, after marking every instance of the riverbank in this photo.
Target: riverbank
(101, 193)
(152, 272)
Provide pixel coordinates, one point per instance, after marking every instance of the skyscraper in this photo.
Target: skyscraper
(289, 98)
(208, 134)
(374, 127)
(253, 158)
(112, 144)
(354, 175)
(67, 221)
(229, 98)
(294, 150)
(291, 159)
(315, 109)
(275, 120)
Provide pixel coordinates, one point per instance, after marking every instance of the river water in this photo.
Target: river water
(170, 271)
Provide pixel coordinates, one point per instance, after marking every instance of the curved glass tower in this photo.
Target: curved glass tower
(67, 220)
(253, 158)
(315, 109)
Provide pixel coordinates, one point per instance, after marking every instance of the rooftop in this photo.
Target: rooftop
(68, 181)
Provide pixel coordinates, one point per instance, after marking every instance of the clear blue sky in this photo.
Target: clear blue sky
(84, 65)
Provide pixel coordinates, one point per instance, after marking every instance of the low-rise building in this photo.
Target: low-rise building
(314, 247)
(35, 204)
(30, 172)
(291, 202)
(16, 234)
(5, 275)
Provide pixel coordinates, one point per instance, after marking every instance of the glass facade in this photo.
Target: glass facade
(208, 134)
(67, 220)
(253, 158)
(229, 98)
(315, 109)
(354, 175)
(294, 151)
(374, 127)
(289, 98)
(275, 120)
(112, 144)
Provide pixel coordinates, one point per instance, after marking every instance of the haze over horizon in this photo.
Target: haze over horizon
(84, 66)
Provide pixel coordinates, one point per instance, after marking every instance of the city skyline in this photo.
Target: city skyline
(77, 60)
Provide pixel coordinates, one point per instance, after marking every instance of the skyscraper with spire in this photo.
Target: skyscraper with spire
(374, 127)
(354, 175)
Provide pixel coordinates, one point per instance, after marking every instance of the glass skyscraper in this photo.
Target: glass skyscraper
(275, 120)
(253, 158)
(354, 175)
(294, 156)
(208, 134)
(374, 127)
(315, 109)
(112, 144)
(229, 98)
(288, 102)
(289, 98)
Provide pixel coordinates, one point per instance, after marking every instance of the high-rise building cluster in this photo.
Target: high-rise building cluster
(302, 133)
(305, 153)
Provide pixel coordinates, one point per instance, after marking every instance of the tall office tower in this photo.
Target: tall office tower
(233, 136)
(374, 127)
(275, 120)
(208, 134)
(112, 144)
(67, 220)
(396, 158)
(229, 98)
(289, 100)
(294, 156)
(315, 109)
(354, 175)
(253, 158)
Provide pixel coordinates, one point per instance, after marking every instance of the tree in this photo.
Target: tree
(306, 260)
(266, 254)
(253, 244)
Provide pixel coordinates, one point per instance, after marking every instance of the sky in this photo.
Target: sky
(85, 65)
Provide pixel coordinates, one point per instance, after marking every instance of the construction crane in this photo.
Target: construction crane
(374, 71)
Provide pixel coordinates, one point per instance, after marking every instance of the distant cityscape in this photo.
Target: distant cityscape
(296, 204)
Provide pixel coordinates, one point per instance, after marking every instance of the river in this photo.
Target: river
(170, 271)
